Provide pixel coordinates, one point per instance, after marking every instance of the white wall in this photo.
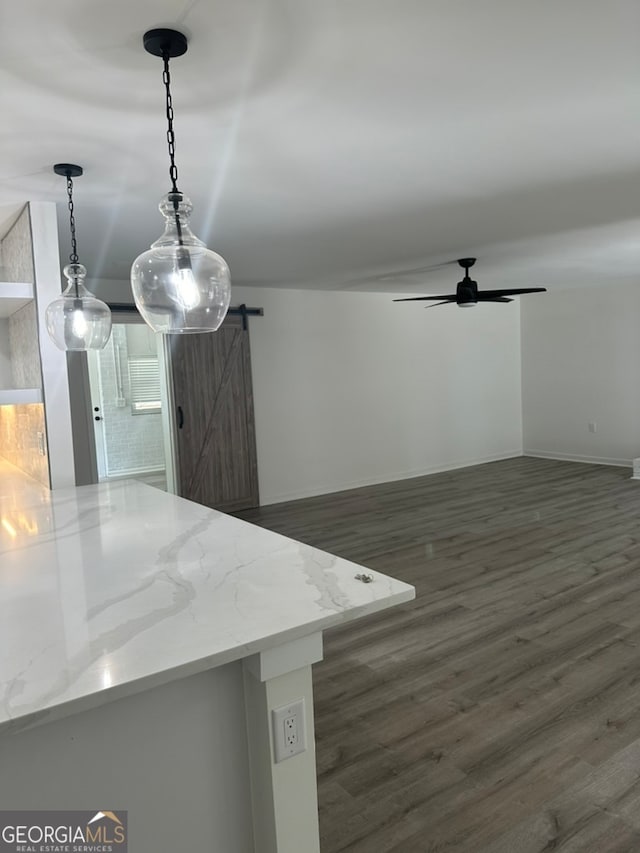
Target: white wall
(351, 389)
(581, 364)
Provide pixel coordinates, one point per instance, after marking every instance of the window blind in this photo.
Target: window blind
(144, 384)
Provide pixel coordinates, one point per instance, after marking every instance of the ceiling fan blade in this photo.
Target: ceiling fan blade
(483, 298)
(448, 297)
(394, 274)
(514, 291)
(398, 275)
(446, 302)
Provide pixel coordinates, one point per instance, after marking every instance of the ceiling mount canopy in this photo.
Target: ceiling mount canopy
(161, 42)
(68, 170)
(179, 285)
(466, 264)
(76, 320)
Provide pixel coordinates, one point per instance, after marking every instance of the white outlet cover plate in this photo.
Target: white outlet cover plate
(295, 711)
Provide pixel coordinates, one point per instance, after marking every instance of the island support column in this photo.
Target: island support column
(284, 795)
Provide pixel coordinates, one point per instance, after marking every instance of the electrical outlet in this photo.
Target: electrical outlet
(289, 735)
(593, 426)
(290, 731)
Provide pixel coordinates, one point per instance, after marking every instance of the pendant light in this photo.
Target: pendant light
(76, 320)
(179, 285)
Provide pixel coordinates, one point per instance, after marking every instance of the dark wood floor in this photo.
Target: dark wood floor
(500, 711)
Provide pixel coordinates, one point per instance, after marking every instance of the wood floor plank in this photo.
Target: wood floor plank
(499, 712)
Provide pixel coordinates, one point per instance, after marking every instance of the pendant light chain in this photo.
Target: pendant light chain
(171, 142)
(73, 257)
(171, 137)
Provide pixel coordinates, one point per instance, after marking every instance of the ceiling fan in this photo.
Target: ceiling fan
(467, 294)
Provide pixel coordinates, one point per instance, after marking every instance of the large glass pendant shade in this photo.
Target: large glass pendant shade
(77, 320)
(179, 286)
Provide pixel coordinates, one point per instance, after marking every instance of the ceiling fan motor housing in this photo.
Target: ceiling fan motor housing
(467, 293)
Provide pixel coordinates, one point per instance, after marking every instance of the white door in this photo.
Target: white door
(119, 377)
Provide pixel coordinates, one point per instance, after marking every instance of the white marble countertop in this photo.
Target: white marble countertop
(109, 590)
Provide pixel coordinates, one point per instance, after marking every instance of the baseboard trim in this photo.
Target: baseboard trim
(578, 457)
(386, 478)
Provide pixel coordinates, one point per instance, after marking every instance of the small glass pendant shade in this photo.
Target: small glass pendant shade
(77, 320)
(180, 286)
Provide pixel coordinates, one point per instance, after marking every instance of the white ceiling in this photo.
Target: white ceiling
(322, 141)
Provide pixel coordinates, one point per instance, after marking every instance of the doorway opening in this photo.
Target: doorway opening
(129, 406)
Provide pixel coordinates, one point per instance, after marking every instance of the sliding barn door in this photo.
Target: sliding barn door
(215, 444)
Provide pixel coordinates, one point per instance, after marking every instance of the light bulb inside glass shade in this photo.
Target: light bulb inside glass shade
(179, 286)
(77, 320)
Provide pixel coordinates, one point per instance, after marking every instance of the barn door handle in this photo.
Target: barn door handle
(180, 417)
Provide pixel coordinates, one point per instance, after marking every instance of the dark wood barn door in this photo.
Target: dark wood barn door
(213, 408)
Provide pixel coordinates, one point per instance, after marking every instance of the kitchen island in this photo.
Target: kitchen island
(144, 642)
